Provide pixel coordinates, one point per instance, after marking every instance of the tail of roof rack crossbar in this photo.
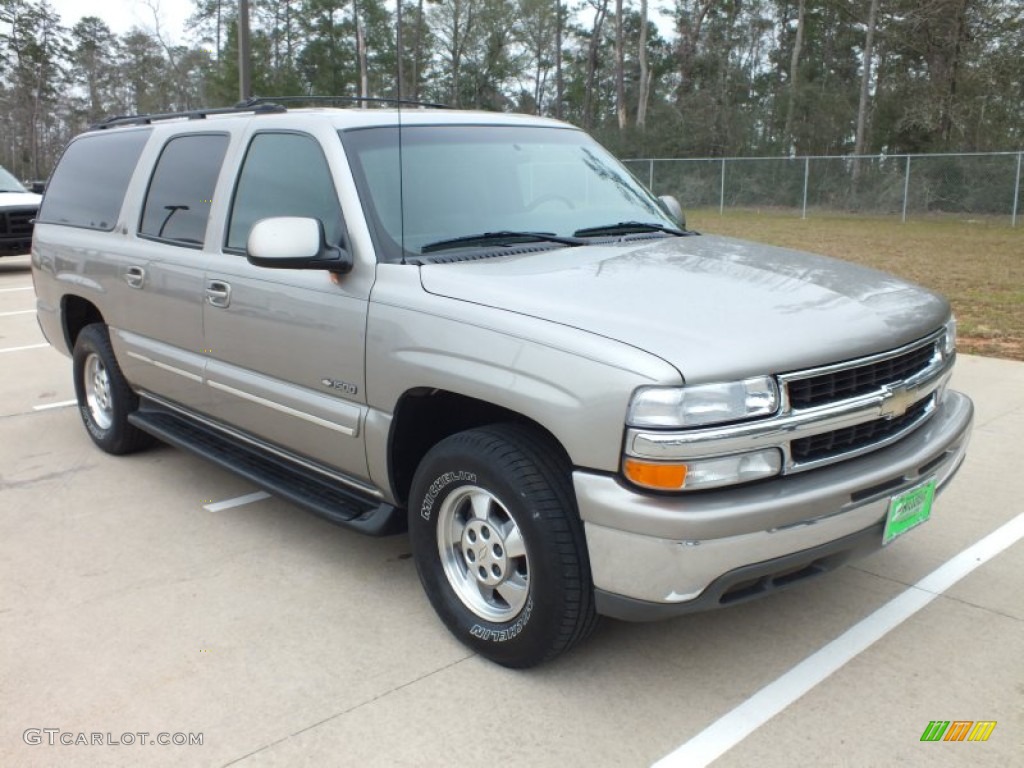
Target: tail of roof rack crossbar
(257, 105)
(257, 100)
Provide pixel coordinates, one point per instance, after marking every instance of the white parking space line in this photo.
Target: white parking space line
(241, 501)
(22, 349)
(50, 406)
(729, 730)
(19, 312)
(12, 290)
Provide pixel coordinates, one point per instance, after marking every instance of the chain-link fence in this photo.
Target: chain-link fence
(981, 184)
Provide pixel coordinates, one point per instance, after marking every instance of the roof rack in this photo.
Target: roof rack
(259, 105)
(258, 100)
(194, 114)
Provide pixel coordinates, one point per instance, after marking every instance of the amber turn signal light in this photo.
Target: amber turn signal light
(661, 477)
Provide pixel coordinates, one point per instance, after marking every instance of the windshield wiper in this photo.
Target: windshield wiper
(629, 228)
(504, 237)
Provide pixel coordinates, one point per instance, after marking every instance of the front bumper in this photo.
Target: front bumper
(658, 556)
(15, 246)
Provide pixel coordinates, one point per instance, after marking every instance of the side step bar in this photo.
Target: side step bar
(278, 476)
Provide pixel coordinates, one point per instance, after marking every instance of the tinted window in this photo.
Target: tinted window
(181, 191)
(284, 174)
(88, 186)
(443, 182)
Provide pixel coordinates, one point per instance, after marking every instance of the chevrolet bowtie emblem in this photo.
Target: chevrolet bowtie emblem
(896, 400)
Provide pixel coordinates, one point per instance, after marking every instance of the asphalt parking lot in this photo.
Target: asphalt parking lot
(138, 595)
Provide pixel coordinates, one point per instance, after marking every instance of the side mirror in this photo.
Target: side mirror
(674, 209)
(292, 242)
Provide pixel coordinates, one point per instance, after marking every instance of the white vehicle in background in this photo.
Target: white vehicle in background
(18, 209)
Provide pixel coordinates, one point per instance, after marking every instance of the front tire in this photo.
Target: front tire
(499, 545)
(104, 397)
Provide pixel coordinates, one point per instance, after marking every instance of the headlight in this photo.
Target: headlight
(703, 404)
(696, 474)
(949, 340)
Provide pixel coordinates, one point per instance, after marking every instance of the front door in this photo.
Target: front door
(286, 347)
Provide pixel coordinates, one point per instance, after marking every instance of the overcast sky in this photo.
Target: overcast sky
(122, 15)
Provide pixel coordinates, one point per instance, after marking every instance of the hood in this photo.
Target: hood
(716, 308)
(19, 199)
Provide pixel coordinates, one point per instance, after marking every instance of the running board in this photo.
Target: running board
(282, 478)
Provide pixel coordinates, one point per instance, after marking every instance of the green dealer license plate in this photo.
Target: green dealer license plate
(909, 510)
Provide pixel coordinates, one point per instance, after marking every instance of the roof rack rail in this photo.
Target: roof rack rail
(258, 100)
(193, 114)
(255, 104)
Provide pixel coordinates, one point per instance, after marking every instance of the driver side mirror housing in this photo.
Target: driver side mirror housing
(674, 209)
(293, 242)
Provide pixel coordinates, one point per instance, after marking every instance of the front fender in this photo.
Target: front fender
(575, 384)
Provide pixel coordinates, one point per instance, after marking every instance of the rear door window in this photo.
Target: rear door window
(88, 186)
(181, 190)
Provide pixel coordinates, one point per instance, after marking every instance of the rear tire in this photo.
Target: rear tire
(499, 545)
(104, 397)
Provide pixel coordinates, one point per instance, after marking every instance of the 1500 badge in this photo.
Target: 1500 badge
(341, 386)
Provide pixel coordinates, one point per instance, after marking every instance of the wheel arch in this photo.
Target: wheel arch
(76, 313)
(423, 417)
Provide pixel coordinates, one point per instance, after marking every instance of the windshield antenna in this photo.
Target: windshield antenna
(401, 164)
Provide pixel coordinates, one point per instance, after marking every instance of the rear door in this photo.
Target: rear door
(161, 338)
(285, 346)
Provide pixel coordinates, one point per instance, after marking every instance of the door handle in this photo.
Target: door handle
(135, 276)
(218, 293)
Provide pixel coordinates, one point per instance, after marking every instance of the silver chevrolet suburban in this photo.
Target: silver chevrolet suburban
(483, 328)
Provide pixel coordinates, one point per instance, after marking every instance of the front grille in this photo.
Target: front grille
(858, 380)
(17, 223)
(840, 441)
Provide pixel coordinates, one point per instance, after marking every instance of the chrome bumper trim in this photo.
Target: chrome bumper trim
(668, 549)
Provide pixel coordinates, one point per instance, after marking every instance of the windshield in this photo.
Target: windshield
(8, 183)
(461, 181)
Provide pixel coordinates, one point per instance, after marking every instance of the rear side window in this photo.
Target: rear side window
(181, 190)
(284, 174)
(88, 186)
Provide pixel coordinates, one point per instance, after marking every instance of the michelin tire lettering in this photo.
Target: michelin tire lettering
(439, 485)
(504, 635)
